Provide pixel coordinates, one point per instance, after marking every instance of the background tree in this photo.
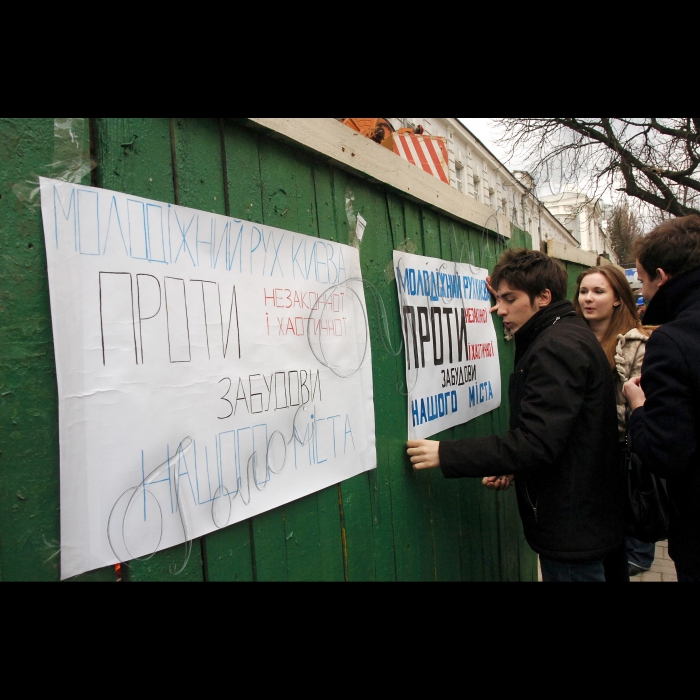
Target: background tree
(654, 160)
(624, 228)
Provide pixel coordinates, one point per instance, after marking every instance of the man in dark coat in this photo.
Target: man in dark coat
(562, 446)
(665, 424)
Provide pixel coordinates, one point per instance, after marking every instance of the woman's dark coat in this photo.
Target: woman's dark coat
(562, 444)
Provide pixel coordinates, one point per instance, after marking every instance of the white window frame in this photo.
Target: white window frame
(459, 176)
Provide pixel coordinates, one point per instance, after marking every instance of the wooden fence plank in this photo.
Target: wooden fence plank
(573, 270)
(229, 552)
(243, 173)
(354, 494)
(135, 156)
(29, 459)
(410, 489)
(444, 494)
(375, 248)
(203, 185)
(289, 189)
(469, 490)
(200, 185)
(311, 521)
(486, 425)
(289, 202)
(328, 501)
(451, 240)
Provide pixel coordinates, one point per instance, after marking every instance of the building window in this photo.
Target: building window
(504, 205)
(477, 180)
(459, 176)
(492, 198)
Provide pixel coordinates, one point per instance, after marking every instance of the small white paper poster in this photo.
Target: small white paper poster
(452, 368)
(360, 228)
(209, 369)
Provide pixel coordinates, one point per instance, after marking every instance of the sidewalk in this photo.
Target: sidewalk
(662, 569)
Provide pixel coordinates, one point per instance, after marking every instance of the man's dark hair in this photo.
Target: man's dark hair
(673, 246)
(530, 271)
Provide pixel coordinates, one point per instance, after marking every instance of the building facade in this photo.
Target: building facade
(476, 172)
(586, 220)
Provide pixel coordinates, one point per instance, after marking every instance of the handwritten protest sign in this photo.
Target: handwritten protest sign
(209, 369)
(452, 368)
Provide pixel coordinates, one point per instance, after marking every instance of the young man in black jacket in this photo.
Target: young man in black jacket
(665, 424)
(562, 446)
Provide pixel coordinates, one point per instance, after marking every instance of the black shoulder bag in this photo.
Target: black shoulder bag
(648, 506)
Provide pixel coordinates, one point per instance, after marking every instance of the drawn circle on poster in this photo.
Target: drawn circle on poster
(296, 434)
(276, 455)
(129, 523)
(260, 484)
(218, 510)
(327, 329)
(251, 472)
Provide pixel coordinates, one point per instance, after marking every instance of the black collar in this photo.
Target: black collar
(677, 294)
(544, 318)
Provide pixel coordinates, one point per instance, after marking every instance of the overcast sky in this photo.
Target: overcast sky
(487, 133)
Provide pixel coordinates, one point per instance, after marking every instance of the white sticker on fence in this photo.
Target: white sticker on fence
(360, 228)
(209, 369)
(452, 368)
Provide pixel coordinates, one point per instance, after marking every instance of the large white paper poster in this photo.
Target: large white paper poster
(452, 368)
(209, 369)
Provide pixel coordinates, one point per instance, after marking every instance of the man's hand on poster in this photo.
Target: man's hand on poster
(493, 293)
(498, 483)
(424, 454)
(633, 393)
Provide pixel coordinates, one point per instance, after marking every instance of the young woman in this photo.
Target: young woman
(605, 301)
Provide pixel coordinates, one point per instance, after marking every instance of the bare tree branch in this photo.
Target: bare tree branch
(654, 160)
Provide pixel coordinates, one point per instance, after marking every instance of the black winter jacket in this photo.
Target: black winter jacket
(665, 432)
(562, 444)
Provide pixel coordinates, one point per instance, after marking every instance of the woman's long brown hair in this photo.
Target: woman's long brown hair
(625, 316)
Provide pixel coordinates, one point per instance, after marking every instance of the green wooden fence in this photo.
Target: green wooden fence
(384, 525)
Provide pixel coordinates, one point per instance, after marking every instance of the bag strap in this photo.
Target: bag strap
(628, 442)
